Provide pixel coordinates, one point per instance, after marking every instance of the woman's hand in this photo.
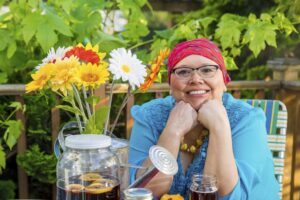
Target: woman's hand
(212, 113)
(182, 118)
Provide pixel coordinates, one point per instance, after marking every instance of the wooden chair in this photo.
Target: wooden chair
(276, 124)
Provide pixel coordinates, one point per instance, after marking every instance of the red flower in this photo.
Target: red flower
(87, 56)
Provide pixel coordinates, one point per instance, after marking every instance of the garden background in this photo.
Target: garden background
(250, 33)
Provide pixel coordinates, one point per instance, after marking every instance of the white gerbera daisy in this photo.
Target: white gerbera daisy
(53, 56)
(123, 64)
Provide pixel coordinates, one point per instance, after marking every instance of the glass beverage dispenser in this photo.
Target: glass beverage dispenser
(88, 169)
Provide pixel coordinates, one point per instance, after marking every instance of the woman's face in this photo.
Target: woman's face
(196, 89)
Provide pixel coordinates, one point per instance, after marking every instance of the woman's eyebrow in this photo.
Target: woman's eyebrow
(188, 66)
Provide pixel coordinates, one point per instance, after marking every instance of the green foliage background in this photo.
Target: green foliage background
(248, 32)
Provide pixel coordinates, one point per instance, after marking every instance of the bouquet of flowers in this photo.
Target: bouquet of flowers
(75, 72)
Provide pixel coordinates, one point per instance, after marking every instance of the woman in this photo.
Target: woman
(235, 150)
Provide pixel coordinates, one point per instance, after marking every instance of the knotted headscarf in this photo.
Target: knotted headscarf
(202, 47)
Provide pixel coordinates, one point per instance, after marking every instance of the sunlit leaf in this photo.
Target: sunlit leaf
(56, 23)
(229, 63)
(229, 31)
(46, 37)
(12, 47)
(3, 77)
(69, 109)
(13, 132)
(2, 159)
(31, 23)
(93, 100)
(258, 34)
(95, 124)
(16, 105)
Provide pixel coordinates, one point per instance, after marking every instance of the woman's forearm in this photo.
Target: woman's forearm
(220, 159)
(161, 183)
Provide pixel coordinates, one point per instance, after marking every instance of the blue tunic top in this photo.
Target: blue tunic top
(249, 139)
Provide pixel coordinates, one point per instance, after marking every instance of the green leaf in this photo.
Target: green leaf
(265, 17)
(87, 24)
(108, 42)
(165, 34)
(69, 109)
(16, 105)
(185, 32)
(33, 3)
(56, 23)
(2, 2)
(12, 132)
(141, 3)
(2, 159)
(3, 77)
(67, 5)
(284, 24)
(46, 37)
(206, 21)
(31, 23)
(12, 47)
(97, 121)
(258, 34)
(4, 39)
(134, 30)
(229, 63)
(38, 165)
(229, 31)
(93, 100)
(235, 51)
(156, 46)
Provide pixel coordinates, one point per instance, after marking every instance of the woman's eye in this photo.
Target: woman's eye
(183, 72)
(206, 70)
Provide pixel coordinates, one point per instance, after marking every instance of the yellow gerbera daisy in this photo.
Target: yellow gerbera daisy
(64, 74)
(154, 69)
(91, 75)
(40, 78)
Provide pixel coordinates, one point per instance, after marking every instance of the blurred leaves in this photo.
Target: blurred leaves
(38, 164)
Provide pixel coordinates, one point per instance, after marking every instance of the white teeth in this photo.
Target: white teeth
(198, 92)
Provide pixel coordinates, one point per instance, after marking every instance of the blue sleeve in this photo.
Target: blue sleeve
(141, 139)
(253, 160)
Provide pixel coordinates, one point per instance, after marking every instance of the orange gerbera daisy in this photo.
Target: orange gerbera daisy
(87, 54)
(154, 69)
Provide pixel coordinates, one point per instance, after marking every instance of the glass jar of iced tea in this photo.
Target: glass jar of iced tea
(204, 187)
(88, 169)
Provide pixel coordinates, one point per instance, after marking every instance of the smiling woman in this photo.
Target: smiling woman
(206, 129)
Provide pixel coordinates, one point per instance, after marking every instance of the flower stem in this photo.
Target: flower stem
(87, 105)
(77, 116)
(141, 44)
(121, 108)
(109, 108)
(78, 99)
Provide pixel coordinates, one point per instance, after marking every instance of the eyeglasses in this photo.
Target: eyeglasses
(207, 71)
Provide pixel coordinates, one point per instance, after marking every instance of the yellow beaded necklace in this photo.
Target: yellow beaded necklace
(193, 148)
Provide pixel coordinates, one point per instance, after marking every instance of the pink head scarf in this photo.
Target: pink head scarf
(202, 47)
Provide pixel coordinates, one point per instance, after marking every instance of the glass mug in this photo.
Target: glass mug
(204, 187)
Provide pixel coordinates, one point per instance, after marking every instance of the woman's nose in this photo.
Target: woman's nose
(196, 78)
